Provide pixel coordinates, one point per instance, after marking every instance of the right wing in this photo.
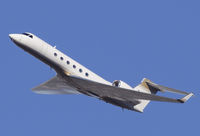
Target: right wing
(108, 91)
(56, 85)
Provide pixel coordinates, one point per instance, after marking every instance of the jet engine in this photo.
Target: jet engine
(119, 83)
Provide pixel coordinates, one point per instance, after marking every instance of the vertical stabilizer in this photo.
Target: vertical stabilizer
(145, 88)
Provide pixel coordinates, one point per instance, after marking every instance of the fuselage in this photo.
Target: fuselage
(63, 64)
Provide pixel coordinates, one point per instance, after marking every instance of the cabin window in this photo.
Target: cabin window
(80, 70)
(86, 74)
(74, 66)
(68, 62)
(61, 58)
(55, 54)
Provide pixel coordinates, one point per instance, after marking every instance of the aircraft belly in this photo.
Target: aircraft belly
(121, 103)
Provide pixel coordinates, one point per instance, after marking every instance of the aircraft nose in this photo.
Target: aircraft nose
(15, 37)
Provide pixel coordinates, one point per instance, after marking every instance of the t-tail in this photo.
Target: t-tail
(149, 87)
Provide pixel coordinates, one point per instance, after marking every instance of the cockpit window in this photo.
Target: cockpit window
(29, 35)
(25, 34)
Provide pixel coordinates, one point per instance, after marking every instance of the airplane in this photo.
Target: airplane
(73, 78)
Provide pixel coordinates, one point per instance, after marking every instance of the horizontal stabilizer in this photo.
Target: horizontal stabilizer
(164, 89)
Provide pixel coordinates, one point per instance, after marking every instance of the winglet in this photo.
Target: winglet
(187, 97)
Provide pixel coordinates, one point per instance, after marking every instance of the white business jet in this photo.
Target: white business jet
(74, 78)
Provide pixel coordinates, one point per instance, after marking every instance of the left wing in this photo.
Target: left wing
(107, 91)
(56, 85)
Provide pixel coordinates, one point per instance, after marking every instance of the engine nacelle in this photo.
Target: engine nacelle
(119, 83)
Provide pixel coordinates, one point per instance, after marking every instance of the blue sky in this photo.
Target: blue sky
(125, 40)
